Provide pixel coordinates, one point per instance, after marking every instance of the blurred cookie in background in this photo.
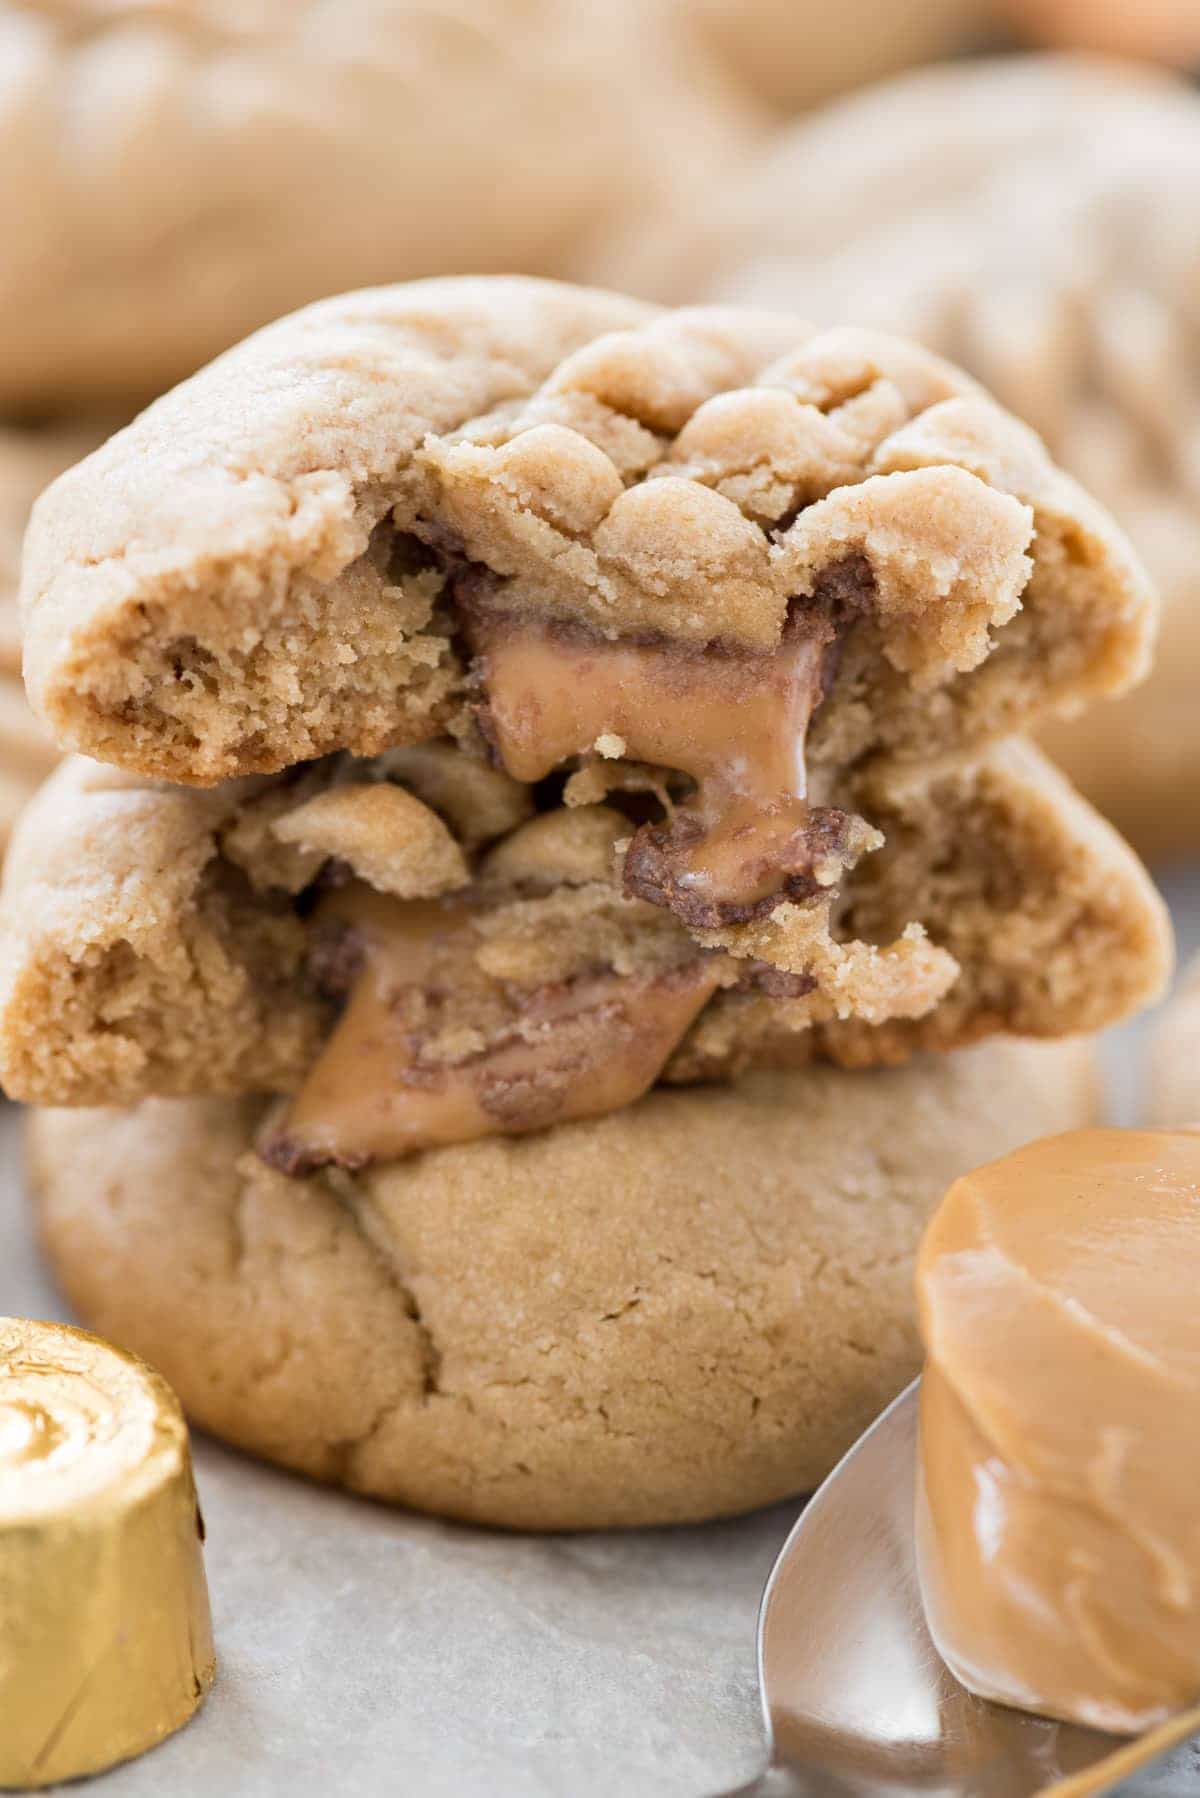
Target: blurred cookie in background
(1168, 30)
(29, 461)
(794, 52)
(172, 176)
(1012, 213)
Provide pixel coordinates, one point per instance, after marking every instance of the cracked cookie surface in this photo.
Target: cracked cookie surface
(1088, 330)
(680, 1313)
(174, 175)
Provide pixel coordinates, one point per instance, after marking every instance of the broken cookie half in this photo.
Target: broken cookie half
(417, 949)
(421, 511)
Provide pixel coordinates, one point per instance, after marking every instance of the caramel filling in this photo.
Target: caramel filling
(733, 720)
(1060, 1453)
(432, 1050)
(403, 1072)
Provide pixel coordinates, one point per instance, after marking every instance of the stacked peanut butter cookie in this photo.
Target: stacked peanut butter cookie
(562, 805)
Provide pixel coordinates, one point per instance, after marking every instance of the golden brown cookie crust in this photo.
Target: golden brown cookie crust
(173, 176)
(151, 943)
(229, 585)
(678, 1313)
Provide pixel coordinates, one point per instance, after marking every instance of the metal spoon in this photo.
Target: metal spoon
(857, 1701)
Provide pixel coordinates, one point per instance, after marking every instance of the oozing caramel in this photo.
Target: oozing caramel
(1060, 1427)
(733, 720)
(572, 1050)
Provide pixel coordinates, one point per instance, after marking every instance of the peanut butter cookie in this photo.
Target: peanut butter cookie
(605, 695)
(1011, 215)
(679, 1313)
(411, 955)
(175, 175)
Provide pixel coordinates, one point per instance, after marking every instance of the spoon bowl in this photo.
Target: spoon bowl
(857, 1701)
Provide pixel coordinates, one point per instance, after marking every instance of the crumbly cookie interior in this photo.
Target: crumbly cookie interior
(710, 864)
(554, 972)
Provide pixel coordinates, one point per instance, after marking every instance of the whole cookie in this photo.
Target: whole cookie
(1011, 215)
(173, 176)
(680, 1313)
(793, 52)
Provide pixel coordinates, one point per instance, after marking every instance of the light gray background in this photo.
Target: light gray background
(364, 1651)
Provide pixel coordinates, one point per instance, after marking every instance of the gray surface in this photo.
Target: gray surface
(365, 1651)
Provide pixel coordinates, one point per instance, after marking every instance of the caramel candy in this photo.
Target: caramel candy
(734, 720)
(574, 1049)
(105, 1639)
(1060, 1427)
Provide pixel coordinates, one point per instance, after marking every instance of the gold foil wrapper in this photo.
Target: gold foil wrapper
(105, 1636)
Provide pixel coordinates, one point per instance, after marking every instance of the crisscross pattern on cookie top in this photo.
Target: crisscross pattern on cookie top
(684, 479)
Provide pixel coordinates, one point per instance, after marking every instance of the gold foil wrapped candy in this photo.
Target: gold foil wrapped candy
(105, 1638)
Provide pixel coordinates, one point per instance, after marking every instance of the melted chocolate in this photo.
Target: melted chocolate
(771, 846)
